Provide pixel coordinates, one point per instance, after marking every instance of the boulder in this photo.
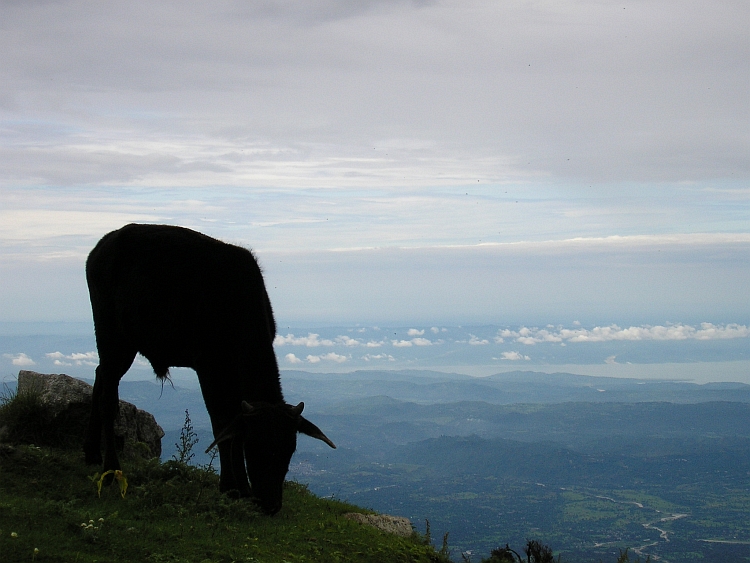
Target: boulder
(68, 401)
(397, 525)
(56, 390)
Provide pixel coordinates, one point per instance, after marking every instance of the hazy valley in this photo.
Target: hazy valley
(588, 465)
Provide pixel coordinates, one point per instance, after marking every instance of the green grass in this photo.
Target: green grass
(171, 513)
(51, 509)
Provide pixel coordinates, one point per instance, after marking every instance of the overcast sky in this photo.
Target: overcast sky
(390, 161)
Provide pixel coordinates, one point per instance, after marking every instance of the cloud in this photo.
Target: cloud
(513, 356)
(610, 360)
(371, 357)
(282, 82)
(709, 331)
(329, 357)
(141, 361)
(21, 360)
(706, 331)
(476, 341)
(291, 123)
(374, 344)
(292, 359)
(412, 342)
(37, 223)
(74, 359)
(333, 357)
(347, 341)
(415, 332)
(526, 335)
(312, 340)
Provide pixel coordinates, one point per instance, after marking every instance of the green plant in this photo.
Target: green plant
(444, 553)
(535, 551)
(625, 558)
(188, 440)
(90, 530)
(118, 476)
(24, 419)
(444, 549)
(503, 555)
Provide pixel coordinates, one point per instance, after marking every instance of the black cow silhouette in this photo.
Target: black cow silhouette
(183, 299)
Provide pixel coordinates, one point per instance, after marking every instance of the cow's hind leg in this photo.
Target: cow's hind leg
(92, 447)
(104, 408)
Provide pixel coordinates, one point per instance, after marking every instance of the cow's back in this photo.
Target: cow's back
(175, 293)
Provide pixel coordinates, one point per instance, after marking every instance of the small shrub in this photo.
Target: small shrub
(445, 551)
(535, 551)
(503, 555)
(625, 558)
(24, 419)
(188, 440)
(443, 555)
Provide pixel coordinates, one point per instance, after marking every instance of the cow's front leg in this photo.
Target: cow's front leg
(233, 476)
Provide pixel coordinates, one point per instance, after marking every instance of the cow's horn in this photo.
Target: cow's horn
(307, 427)
(227, 434)
(223, 437)
(247, 408)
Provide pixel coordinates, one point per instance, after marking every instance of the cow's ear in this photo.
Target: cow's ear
(296, 411)
(307, 427)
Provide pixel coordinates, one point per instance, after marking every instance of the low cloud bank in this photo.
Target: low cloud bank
(534, 335)
(311, 359)
(74, 359)
(313, 340)
(514, 356)
(706, 331)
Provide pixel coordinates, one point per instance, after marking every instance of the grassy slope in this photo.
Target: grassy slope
(171, 513)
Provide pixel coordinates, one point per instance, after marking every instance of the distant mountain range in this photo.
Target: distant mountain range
(322, 390)
(337, 393)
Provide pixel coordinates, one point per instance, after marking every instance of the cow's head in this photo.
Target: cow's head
(269, 438)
